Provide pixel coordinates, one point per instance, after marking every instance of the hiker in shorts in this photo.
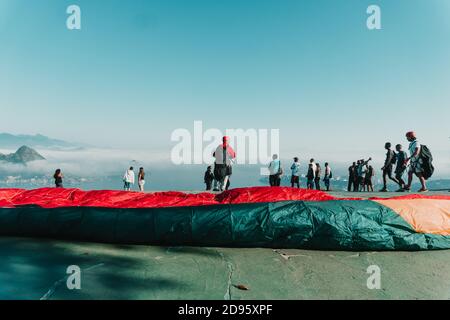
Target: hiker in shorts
(361, 173)
(400, 167)
(128, 179)
(295, 173)
(362, 169)
(415, 162)
(328, 174)
(141, 179)
(388, 166)
(317, 175)
(275, 171)
(208, 178)
(310, 177)
(224, 155)
(370, 172)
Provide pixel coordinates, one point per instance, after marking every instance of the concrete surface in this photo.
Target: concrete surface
(36, 269)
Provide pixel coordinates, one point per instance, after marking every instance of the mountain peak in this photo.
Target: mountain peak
(23, 155)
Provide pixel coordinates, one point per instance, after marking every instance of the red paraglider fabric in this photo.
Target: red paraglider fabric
(56, 197)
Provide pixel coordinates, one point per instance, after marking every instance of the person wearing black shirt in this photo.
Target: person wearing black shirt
(391, 158)
(401, 167)
(209, 178)
(352, 178)
(58, 176)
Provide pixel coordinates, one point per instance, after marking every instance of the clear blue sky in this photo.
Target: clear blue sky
(139, 69)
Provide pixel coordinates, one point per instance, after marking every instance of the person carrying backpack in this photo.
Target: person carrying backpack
(401, 167)
(276, 171)
(391, 159)
(420, 162)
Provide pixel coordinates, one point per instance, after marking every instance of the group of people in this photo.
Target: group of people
(360, 172)
(395, 165)
(129, 179)
(401, 161)
(361, 176)
(313, 175)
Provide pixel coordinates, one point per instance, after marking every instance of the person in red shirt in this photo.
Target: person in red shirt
(224, 155)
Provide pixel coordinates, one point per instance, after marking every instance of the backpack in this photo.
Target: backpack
(394, 158)
(427, 159)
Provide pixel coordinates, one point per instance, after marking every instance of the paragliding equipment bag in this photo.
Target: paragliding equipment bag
(427, 162)
(394, 158)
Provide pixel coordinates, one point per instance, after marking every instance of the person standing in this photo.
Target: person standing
(370, 172)
(58, 176)
(128, 179)
(310, 177)
(224, 155)
(391, 158)
(295, 171)
(275, 171)
(361, 174)
(208, 178)
(352, 178)
(415, 162)
(400, 167)
(314, 166)
(328, 174)
(141, 179)
(317, 175)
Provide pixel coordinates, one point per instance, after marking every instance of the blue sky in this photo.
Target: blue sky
(140, 69)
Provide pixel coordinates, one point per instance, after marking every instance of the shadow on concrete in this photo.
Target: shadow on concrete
(30, 268)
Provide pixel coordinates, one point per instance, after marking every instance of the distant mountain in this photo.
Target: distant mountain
(23, 155)
(8, 141)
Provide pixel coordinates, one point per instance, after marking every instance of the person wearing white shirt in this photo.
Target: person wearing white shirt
(275, 171)
(128, 179)
(415, 162)
(314, 167)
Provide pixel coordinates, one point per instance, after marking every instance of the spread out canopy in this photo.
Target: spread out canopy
(274, 217)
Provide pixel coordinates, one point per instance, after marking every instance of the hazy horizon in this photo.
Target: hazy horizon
(96, 168)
